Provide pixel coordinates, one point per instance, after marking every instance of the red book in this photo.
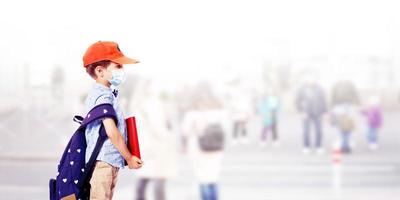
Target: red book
(133, 141)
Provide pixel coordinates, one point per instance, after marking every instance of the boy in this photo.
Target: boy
(103, 62)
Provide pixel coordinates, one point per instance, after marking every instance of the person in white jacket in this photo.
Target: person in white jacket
(157, 143)
(206, 165)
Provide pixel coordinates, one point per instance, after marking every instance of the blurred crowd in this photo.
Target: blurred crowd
(201, 121)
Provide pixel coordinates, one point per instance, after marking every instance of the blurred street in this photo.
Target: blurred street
(249, 171)
(234, 100)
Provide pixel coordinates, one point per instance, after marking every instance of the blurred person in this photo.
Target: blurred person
(373, 114)
(343, 118)
(241, 111)
(311, 103)
(344, 100)
(104, 61)
(202, 129)
(240, 106)
(157, 143)
(268, 108)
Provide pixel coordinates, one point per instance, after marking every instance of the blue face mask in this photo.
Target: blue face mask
(118, 77)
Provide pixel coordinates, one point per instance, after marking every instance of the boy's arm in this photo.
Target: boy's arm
(116, 139)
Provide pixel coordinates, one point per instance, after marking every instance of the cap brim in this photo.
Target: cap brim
(125, 60)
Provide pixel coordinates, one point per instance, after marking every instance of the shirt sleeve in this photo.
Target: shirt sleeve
(104, 98)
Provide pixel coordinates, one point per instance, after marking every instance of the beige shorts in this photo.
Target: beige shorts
(103, 181)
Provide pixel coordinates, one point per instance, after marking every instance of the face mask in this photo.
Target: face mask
(118, 77)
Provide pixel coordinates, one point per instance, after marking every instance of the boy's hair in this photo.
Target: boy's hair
(91, 67)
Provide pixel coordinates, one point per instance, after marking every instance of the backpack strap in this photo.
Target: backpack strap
(98, 112)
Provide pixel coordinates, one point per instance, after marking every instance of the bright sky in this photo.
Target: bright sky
(182, 40)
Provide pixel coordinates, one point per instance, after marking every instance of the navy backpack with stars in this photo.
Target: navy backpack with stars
(72, 181)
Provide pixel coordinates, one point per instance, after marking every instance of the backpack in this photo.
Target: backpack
(212, 138)
(72, 180)
(346, 123)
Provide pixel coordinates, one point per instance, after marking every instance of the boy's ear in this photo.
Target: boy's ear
(98, 71)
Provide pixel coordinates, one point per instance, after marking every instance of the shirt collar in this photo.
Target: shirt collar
(104, 88)
(101, 87)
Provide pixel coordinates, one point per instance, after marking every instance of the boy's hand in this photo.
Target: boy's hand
(116, 139)
(134, 163)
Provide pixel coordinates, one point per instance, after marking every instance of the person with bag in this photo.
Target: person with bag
(204, 130)
(343, 119)
(344, 101)
(102, 136)
(158, 142)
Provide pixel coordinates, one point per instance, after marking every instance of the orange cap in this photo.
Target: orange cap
(103, 50)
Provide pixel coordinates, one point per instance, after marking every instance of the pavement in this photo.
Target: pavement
(29, 155)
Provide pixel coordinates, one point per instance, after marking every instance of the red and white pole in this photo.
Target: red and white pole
(337, 172)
